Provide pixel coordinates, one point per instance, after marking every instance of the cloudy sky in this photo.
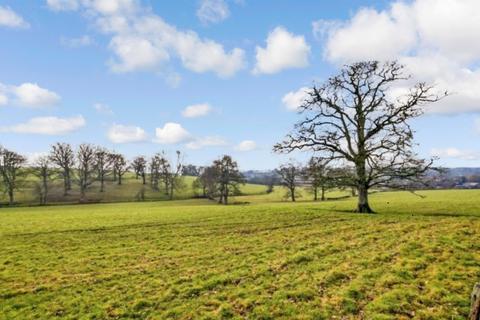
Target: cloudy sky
(222, 76)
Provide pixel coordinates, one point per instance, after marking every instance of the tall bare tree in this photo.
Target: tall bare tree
(290, 174)
(63, 156)
(10, 168)
(42, 169)
(87, 172)
(228, 177)
(354, 118)
(139, 165)
(174, 175)
(120, 166)
(103, 164)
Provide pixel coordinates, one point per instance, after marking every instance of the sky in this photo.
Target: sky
(214, 77)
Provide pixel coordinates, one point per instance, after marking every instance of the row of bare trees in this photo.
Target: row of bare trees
(83, 167)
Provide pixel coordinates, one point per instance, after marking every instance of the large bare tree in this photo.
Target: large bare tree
(10, 168)
(355, 118)
(63, 156)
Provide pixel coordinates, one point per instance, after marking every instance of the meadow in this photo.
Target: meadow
(264, 258)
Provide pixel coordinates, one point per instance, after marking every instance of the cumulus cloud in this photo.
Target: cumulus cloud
(294, 99)
(126, 134)
(210, 141)
(10, 19)
(47, 125)
(197, 110)
(82, 41)
(103, 109)
(143, 41)
(436, 40)
(246, 145)
(284, 50)
(212, 11)
(455, 153)
(172, 133)
(32, 95)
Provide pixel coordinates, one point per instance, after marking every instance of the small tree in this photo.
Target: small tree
(10, 168)
(354, 118)
(206, 182)
(139, 165)
(318, 174)
(42, 169)
(290, 173)
(174, 176)
(63, 156)
(86, 168)
(103, 163)
(120, 166)
(228, 178)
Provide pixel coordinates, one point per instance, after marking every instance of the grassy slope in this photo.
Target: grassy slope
(113, 192)
(418, 258)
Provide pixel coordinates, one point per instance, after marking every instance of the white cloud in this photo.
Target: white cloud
(62, 5)
(126, 134)
(455, 153)
(294, 99)
(172, 133)
(32, 95)
(246, 145)
(284, 50)
(436, 40)
(47, 125)
(82, 41)
(9, 18)
(143, 41)
(103, 109)
(210, 141)
(197, 110)
(212, 11)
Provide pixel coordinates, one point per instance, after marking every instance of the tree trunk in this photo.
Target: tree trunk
(225, 197)
(11, 197)
(363, 206)
(45, 189)
(323, 193)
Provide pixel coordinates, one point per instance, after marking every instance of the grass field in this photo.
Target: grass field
(418, 258)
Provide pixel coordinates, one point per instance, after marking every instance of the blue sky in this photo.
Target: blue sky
(70, 71)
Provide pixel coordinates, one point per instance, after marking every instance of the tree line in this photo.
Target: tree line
(89, 164)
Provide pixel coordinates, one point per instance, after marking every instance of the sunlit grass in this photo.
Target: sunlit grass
(417, 258)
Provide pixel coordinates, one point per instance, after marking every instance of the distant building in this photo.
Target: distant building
(468, 185)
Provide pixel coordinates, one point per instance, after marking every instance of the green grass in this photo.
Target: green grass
(128, 191)
(418, 258)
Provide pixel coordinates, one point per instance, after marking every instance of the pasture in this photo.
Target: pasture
(418, 258)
